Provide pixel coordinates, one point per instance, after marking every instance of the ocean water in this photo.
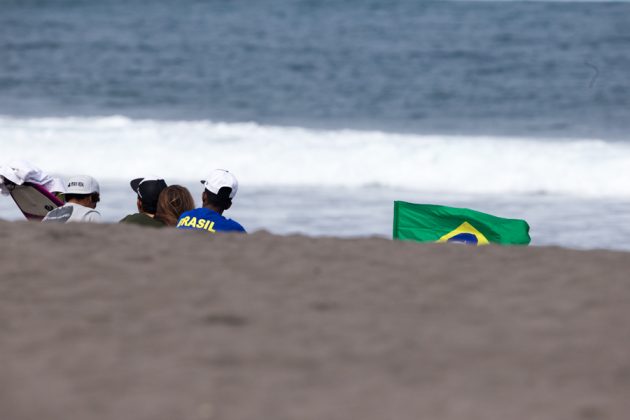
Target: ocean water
(328, 111)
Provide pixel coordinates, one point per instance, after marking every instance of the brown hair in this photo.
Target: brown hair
(173, 201)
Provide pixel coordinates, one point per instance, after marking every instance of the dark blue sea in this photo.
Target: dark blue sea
(521, 108)
(559, 68)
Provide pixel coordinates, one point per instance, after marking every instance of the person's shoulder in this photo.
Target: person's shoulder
(92, 216)
(127, 218)
(234, 226)
(133, 218)
(83, 208)
(226, 224)
(83, 213)
(142, 219)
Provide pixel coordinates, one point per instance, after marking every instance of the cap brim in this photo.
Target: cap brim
(135, 183)
(12, 178)
(10, 174)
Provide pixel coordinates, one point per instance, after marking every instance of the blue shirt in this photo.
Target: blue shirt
(208, 220)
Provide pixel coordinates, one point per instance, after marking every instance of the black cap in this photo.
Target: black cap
(148, 191)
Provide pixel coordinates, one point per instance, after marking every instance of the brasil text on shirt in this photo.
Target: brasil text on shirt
(207, 220)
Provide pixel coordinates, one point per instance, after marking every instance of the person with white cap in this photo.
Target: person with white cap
(220, 189)
(20, 171)
(148, 190)
(82, 193)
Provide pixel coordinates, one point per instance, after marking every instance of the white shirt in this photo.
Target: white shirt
(72, 212)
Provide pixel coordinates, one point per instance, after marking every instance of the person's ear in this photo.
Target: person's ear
(94, 199)
(139, 205)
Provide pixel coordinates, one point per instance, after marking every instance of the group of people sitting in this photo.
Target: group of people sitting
(158, 204)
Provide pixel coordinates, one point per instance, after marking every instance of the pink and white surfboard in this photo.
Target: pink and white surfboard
(33, 200)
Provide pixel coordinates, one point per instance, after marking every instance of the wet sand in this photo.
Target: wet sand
(119, 322)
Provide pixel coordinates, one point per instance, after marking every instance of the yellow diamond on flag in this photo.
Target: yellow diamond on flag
(465, 233)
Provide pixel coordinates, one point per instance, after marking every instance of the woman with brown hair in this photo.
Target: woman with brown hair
(173, 201)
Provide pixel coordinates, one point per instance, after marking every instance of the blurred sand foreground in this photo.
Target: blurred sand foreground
(120, 322)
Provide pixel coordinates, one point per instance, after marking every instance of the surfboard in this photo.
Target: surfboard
(33, 200)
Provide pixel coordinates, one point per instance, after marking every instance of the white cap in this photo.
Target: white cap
(11, 174)
(21, 171)
(220, 178)
(56, 185)
(82, 184)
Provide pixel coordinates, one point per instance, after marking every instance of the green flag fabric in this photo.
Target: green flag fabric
(431, 223)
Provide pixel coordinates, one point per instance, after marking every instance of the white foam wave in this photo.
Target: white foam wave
(119, 148)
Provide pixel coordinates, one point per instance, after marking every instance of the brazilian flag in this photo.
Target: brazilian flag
(430, 223)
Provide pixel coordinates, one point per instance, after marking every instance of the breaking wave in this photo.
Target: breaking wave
(119, 148)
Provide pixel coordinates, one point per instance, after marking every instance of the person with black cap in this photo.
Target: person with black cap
(220, 189)
(148, 190)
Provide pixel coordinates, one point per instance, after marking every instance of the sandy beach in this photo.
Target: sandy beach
(120, 322)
